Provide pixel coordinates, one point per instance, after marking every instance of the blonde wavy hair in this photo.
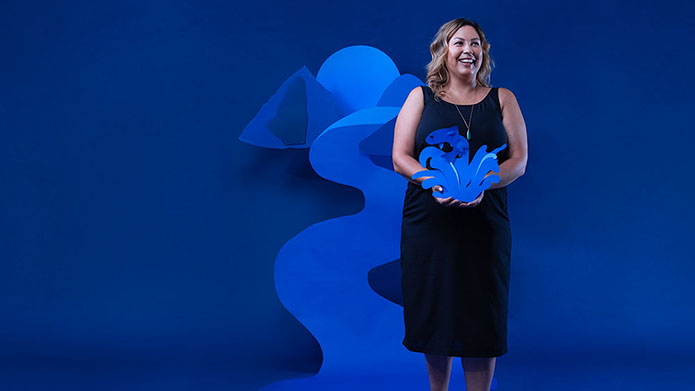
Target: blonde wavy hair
(438, 73)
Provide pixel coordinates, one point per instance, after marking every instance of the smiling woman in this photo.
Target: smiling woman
(445, 41)
(455, 253)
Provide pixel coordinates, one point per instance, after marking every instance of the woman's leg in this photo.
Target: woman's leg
(439, 369)
(478, 372)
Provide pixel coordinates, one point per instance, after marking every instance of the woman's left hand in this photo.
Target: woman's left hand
(472, 203)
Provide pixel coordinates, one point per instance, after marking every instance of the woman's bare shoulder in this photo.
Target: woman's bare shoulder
(415, 97)
(506, 97)
(419, 90)
(505, 92)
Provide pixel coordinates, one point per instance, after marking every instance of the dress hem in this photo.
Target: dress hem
(442, 351)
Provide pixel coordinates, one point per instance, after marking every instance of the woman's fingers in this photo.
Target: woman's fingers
(444, 201)
(476, 201)
(450, 201)
(472, 203)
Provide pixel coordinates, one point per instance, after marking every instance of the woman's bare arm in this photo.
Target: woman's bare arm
(514, 125)
(403, 153)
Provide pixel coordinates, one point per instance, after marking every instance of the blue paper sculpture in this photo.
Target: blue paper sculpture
(295, 115)
(459, 179)
(345, 116)
(357, 76)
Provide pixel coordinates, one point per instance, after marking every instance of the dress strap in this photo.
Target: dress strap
(426, 94)
(495, 95)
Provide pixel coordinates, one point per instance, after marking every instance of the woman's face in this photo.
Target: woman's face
(465, 52)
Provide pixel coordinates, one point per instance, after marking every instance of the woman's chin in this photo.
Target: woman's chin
(466, 73)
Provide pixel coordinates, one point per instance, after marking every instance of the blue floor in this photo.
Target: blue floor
(513, 373)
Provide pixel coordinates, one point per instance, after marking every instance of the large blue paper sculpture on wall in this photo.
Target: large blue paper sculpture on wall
(341, 277)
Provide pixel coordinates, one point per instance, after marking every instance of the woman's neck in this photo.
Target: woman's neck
(461, 88)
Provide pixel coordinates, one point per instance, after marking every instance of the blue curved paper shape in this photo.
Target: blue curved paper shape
(321, 275)
(397, 92)
(459, 179)
(357, 76)
(379, 145)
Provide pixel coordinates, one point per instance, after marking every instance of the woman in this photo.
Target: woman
(455, 255)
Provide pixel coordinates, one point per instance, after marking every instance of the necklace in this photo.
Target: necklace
(470, 119)
(468, 126)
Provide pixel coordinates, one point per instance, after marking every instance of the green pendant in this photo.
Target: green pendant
(468, 135)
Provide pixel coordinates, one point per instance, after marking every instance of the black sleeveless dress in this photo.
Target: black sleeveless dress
(455, 261)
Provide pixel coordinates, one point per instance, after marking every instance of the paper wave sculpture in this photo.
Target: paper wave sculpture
(352, 79)
(459, 179)
(345, 117)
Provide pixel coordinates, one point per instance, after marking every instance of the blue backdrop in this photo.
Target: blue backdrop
(138, 234)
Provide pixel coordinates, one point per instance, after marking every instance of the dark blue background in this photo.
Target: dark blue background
(137, 231)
